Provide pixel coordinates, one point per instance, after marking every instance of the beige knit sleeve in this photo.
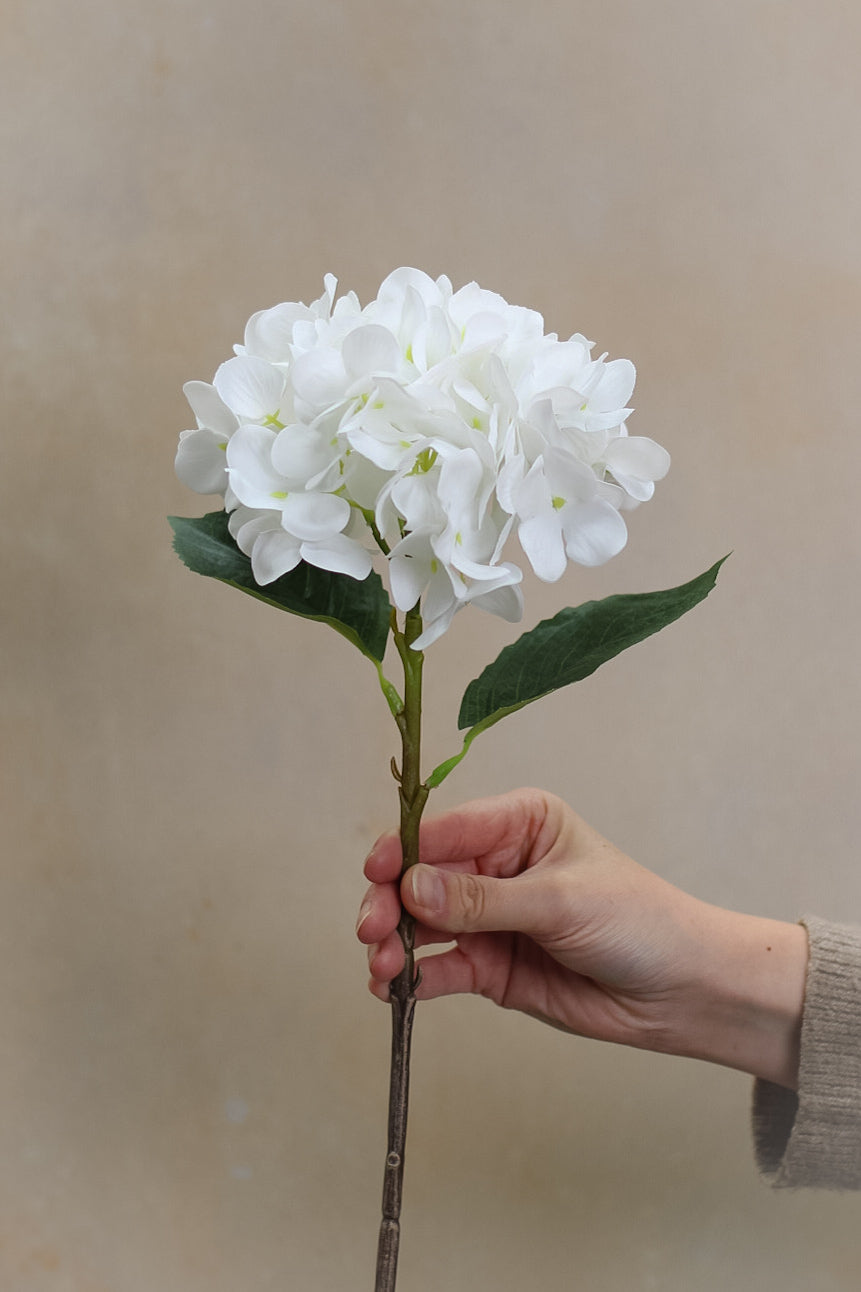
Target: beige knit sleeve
(813, 1139)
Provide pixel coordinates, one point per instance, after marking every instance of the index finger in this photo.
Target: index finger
(383, 863)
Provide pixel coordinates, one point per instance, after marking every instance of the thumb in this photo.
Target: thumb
(457, 903)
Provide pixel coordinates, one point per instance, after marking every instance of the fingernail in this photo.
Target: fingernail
(428, 887)
(364, 911)
(372, 950)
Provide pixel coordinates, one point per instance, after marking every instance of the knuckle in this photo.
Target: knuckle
(473, 901)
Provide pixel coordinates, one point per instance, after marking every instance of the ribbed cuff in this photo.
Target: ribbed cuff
(813, 1139)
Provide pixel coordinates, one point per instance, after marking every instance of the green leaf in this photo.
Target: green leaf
(360, 611)
(570, 646)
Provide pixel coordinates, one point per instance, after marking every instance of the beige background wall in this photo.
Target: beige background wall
(192, 1075)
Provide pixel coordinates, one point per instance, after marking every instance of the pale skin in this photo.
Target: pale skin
(550, 918)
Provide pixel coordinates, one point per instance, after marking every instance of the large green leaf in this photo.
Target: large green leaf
(360, 611)
(572, 645)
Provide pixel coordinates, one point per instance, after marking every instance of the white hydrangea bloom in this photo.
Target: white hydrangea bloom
(427, 429)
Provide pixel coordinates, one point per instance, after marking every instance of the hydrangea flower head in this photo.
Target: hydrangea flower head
(430, 430)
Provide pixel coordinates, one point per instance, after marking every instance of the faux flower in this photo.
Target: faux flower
(438, 434)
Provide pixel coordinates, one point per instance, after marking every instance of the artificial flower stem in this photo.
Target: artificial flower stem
(413, 796)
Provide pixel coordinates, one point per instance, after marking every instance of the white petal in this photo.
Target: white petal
(322, 307)
(484, 331)
(201, 463)
(440, 338)
(370, 350)
(209, 408)
(565, 364)
(460, 480)
(246, 525)
(306, 336)
(469, 552)
(417, 500)
(269, 333)
(531, 496)
(610, 421)
(251, 387)
(569, 478)
(249, 460)
(611, 493)
(406, 317)
(442, 594)
(541, 539)
(340, 554)
(274, 553)
(505, 525)
(384, 450)
(638, 490)
(240, 516)
(314, 516)
(506, 602)
(472, 301)
(433, 631)
(506, 575)
(319, 378)
(510, 477)
(594, 532)
(363, 481)
(636, 455)
(395, 285)
(410, 564)
(615, 386)
(300, 453)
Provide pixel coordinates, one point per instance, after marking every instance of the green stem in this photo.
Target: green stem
(413, 796)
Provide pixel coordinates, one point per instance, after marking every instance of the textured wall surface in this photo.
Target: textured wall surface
(191, 1071)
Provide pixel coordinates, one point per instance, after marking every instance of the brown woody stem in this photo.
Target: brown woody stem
(413, 796)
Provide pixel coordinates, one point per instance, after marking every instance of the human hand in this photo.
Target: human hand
(550, 918)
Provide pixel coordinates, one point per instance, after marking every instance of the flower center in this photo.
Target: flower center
(424, 462)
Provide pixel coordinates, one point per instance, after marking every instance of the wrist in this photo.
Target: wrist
(746, 998)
